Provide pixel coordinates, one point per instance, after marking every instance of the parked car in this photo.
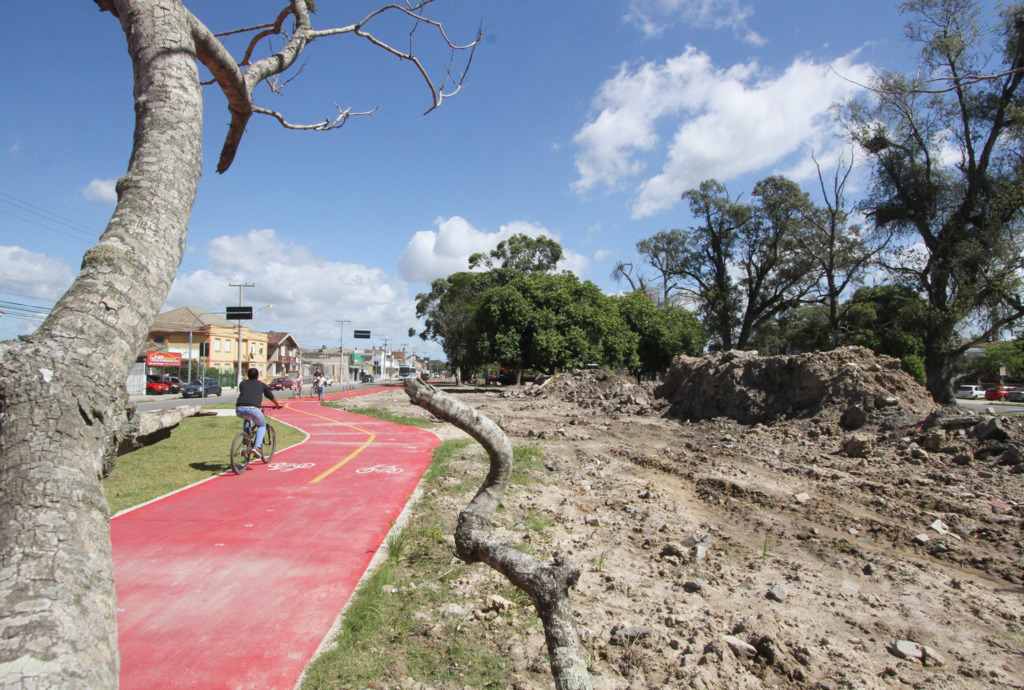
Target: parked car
(971, 392)
(155, 385)
(196, 388)
(997, 393)
(367, 378)
(281, 382)
(328, 381)
(172, 383)
(1016, 395)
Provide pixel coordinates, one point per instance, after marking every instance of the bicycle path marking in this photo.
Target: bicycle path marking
(235, 582)
(357, 451)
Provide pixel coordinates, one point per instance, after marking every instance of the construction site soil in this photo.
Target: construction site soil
(812, 521)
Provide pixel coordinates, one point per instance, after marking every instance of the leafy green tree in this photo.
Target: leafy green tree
(447, 312)
(551, 323)
(995, 356)
(758, 242)
(948, 177)
(662, 333)
(449, 309)
(890, 320)
(520, 254)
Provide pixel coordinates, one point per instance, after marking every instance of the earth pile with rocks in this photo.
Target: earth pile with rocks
(814, 521)
(749, 388)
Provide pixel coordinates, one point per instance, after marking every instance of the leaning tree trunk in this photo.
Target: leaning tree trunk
(547, 585)
(62, 394)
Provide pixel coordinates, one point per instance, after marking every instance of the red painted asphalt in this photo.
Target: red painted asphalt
(235, 581)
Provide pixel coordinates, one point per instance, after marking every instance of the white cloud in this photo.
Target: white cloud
(431, 255)
(101, 190)
(32, 275)
(654, 16)
(727, 123)
(33, 280)
(309, 294)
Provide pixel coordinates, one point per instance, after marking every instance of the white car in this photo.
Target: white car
(328, 381)
(971, 392)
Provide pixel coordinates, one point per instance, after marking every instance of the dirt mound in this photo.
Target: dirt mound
(599, 389)
(752, 389)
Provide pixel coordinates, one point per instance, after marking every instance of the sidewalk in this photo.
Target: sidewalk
(235, 581)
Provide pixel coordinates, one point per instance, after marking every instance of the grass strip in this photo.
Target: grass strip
(198, 448)
(411, 619)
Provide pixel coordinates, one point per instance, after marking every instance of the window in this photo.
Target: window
(227, 345)
(216, 344)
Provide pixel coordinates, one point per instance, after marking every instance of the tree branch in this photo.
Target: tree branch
(238, 86)
(547, 584)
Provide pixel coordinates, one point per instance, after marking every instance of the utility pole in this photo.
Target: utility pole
(343, 374)
(240, 287)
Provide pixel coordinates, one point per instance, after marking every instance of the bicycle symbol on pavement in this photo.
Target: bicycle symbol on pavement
(383, 469)
(289, 466)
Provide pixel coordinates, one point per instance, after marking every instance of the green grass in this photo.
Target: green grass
(384, 416)
(394, 627)
(198, 448)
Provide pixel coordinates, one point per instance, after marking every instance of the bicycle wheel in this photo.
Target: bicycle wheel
(240, 448)
(269, 444)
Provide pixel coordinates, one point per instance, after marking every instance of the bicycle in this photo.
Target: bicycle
(242, 449)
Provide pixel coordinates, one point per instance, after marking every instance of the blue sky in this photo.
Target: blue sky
(582, 121)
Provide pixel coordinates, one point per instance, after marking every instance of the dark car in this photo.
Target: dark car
(281, 383)
(367, 378)
(997, 393)
(155, 385)
(1016, 395)
(201, 389)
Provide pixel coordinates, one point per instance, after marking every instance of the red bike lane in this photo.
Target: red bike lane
(235, 581)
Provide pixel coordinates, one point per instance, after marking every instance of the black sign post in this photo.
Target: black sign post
(238, 313)
(361, 334)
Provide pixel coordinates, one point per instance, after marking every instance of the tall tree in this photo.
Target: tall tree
(777, 274)
(945, 146)
(743, 263)
(447, 313)
(662, 333)
(62, 411)
(552, 323)
(842, 253)
(661, 252)
(520, 254)
(707, 258)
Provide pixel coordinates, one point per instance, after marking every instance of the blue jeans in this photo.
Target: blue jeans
(254, 415)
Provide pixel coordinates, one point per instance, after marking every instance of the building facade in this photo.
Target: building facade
(186, 329)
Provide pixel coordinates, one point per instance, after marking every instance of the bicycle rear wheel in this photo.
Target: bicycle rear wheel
(240, 449)
(269, 444)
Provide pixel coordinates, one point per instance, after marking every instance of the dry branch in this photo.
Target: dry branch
(547, 584)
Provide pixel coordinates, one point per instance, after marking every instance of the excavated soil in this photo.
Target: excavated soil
(774, 522)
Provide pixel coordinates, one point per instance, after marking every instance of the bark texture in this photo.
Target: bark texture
(547, 584)
(60, 416)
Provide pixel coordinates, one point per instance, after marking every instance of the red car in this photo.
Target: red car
(155, 385)
(998, 393)
(281, 383)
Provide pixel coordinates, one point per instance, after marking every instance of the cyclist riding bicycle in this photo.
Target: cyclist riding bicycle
(250, 396)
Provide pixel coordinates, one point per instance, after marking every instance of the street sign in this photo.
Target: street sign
(361, 334)
(235, 313)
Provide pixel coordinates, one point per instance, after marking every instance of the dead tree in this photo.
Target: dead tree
(547, 584)
(62, 407)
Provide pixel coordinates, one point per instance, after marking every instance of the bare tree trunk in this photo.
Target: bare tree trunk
(547, 585)
(62, 400)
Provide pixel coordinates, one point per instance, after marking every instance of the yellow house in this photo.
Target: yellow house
(184, 329)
